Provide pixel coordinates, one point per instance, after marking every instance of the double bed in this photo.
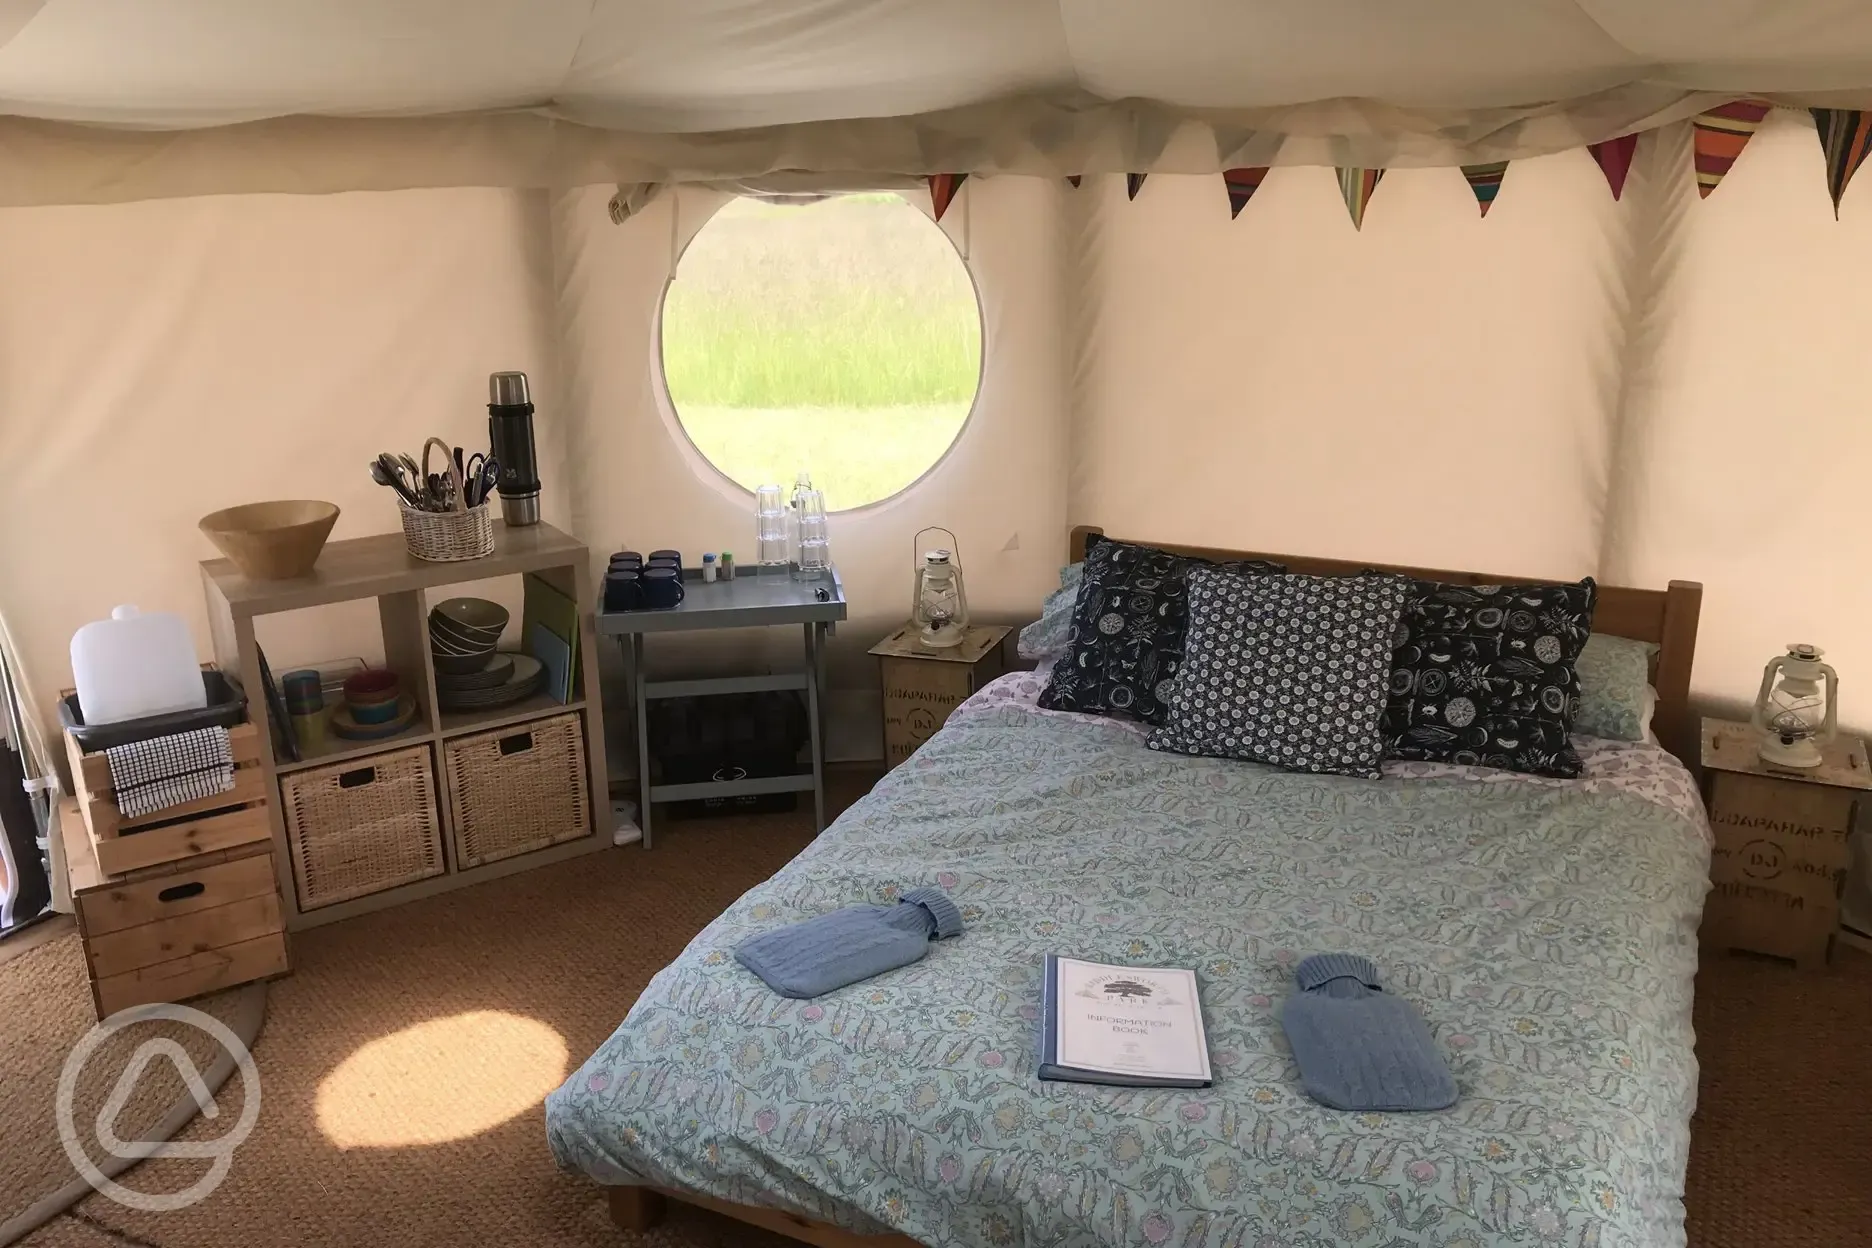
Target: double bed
(1546, 929)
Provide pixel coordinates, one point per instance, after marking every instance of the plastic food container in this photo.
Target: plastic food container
(227, 706)
(135, 664)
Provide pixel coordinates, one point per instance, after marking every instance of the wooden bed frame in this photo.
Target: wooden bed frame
(1666, 616)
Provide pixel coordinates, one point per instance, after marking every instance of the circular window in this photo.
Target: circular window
(841, 337)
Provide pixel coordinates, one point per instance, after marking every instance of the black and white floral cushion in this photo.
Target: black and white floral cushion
(1289, 670)
(1485, 674)
(1128, 622)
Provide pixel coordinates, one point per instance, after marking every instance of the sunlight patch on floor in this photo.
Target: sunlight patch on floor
(440, 1080)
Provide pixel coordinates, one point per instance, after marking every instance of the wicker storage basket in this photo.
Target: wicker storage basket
(448, 536)
(362, 826)
(517, 789)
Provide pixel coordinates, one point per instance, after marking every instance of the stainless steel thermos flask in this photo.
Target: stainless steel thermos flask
(510, 434)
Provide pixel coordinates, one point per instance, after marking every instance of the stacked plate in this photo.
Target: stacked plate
(470, 675)
(503, 680)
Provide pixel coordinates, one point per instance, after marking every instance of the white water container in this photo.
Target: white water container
(133, 665)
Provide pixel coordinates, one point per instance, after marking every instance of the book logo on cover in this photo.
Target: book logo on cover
(1126, 989)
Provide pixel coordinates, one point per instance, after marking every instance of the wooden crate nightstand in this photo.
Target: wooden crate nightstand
(1782, 844)
(176, 929)
(922, 685)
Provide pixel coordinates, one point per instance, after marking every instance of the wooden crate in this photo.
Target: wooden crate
(238, 817)
(1783, 845)
(922, 685)
(174, 930)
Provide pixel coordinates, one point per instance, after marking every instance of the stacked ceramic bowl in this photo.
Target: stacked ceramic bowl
(463, 633)
(470, 673)
(374, 706)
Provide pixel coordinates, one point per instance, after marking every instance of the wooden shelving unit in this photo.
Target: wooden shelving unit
(381, 567)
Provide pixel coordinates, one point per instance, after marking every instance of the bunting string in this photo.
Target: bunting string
(1718, 137)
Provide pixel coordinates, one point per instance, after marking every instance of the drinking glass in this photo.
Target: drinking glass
(815, 545)
(770, 529)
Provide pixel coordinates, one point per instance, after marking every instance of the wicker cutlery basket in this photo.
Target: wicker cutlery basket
(518, 789)
(363, 826)
(448, 536)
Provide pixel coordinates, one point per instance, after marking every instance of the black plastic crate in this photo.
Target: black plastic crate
(733, 736)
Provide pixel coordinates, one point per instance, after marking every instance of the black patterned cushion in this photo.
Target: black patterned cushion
(1289, 670)
(1127, 630)
(1484, 674)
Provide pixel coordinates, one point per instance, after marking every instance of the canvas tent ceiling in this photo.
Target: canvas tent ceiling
(362, 94)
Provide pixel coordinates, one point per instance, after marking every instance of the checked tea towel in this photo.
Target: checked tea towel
(162, 772)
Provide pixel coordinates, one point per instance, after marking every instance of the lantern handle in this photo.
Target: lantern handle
(1830, 729)
(1758, 719)
(955, 547)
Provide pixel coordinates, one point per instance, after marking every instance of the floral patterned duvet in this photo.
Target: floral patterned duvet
(1545, 928)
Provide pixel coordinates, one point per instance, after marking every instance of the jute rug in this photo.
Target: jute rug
(403, 1063)
(45, 1008)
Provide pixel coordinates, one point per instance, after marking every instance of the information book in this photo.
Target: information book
(1133, 1026)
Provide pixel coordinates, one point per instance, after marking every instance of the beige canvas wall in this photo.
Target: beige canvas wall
(1655, 388)
(1661, 387)
(1435, 388)
(161, 360)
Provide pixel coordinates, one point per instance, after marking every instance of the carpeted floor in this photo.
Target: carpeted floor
(403, 1064)
(45, 1007)
(1781, 1145)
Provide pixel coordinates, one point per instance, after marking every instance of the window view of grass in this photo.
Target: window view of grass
(840, 337)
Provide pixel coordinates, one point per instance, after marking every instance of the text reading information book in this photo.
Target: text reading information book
(1135, 1026)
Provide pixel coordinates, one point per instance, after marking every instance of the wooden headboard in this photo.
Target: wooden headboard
(1665, 616)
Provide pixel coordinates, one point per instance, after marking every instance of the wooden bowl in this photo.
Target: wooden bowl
(272, 541)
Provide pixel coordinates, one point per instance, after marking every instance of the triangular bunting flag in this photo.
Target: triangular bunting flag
(1074, 179)
(943, 188)
(1134, 182)
(1614, 157)
(1357, 186)
(1720, 135)
(1242, 184)
(1485, 180)
(1845, 137)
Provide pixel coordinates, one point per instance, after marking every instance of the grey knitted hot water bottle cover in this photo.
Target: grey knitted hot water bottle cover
(1359, 1047)
(811, 958)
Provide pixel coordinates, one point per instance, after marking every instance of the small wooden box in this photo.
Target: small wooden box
(1783, 840)
(238, 817)
(922, 685)
(177, 929)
